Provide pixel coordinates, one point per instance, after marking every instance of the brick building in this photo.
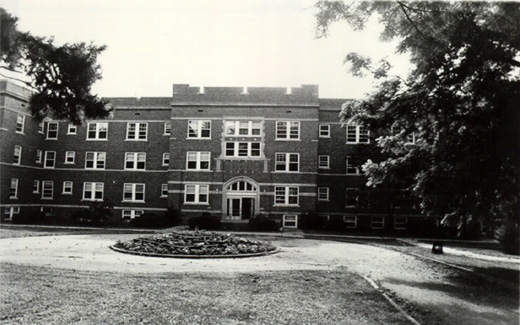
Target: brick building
(232, 152)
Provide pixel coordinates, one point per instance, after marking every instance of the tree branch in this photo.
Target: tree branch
(403, 6)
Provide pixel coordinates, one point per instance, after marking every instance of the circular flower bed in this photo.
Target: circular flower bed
(194, 244)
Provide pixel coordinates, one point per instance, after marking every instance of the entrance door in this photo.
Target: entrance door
(248, 208)
(235, 208)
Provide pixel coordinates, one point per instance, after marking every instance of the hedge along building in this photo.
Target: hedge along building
(233, 152)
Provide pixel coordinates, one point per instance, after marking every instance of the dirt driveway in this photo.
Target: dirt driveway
(453, 296)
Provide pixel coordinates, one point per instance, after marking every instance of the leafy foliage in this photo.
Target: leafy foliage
(460, 103)
(97, 214)
(61, 76)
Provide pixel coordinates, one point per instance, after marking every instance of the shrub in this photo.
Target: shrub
(335, 224)
(173, 217)
(169, 219)
(310, 220)
(205, 221)
(509, 237)
(97, 214)
(29, 218)
(262, 224)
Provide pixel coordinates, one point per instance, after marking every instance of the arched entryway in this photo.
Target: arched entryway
(241, 199)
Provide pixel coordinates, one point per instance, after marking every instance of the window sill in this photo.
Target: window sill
(47, 198)
(69, 163)
(65, 193)
(13, 198)
(136, 140)
(163, 196)
(128, 201)
(286, 205)
(198, 138)
(92, 200)
(196, 203)
(96, 139)
(51, 139)
(287, 140)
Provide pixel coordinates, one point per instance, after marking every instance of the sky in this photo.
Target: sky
(221, 43)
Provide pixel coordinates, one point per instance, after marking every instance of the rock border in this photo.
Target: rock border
(124, 251)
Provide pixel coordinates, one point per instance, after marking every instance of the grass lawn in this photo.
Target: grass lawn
(39, 295)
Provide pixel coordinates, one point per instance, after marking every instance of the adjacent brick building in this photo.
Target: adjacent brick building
(232, 152)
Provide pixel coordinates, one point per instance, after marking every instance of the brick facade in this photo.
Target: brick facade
(233, 152)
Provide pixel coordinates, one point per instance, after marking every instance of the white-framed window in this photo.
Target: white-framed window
(290, 221)
(400, 223)
(323, 193)
(70, 157)
(350, 222)
(410, 138)
(324, 162)
(131, 214)
(39, 156)
(20, 123)
(93, 191)
(135, 160)
(324, 131)
(67, 187)
(198, 160)
(352, 167)
(377, 222)
(36, 186)
(97, 131)
(73, 129)
(199, 129)
(95, 160)
(137, 131)
(357, 134)
(286, 195)
(52, 131)
(288, 130)
(243, 149)
(9, 212)
(17, 155)
(196, 194)
(41, 127)
(47, 189)
(243, 128)
(13, 188)
(166, 159)
(167, 128)
(50, 159)
(351, 198)
(133, 192)
(287, 162)
(164, 190)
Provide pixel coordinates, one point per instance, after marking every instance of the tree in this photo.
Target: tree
(61, 76)
(460, 102)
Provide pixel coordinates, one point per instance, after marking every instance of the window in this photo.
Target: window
(67, 187)
(324, 131)
(52, 131)
(351, 197)
(377, 222)
(350, 221)
(287, 162)
(17, 155)
(93, 191)
(164, 190)
(133, 192)
(39, 156)
(36, 187)
(9, 212)
(97, 131)
(287, 130)
(136, 131)
(131, 214)
(47, 189)
(69, 157)
(323, 193)
(199, 129)
(357, 134)
(166, 159)
(167, 128)
(323, 162)
(13, 189)
(73, 129)
(290, 221)
(286, 195)
(243, 128)
(400, 223)
(50, 159)
(197, 160)
(243, 149)
(196, 194)
(352, 168)
(41, 126)
(135, 160)
(95, 160)
(20, 123)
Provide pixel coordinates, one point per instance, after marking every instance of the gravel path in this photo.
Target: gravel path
(421, 286)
